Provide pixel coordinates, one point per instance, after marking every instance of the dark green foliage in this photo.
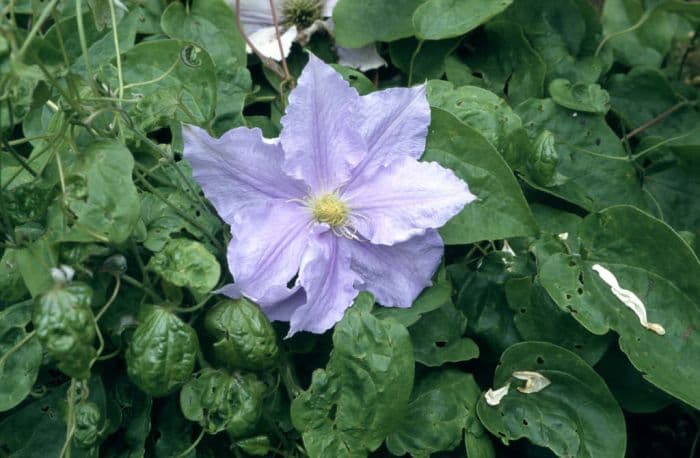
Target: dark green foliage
(576, 125)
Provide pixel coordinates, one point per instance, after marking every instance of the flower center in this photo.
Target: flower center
(329, 209)
(302, 13)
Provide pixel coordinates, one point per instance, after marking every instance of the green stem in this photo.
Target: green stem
(35, 28)
(81, 36)
(70, 420)
(117, 51)
(193, 446)
(134, 282)
(194, 308)
(16, 347)
(413, 60)
(289, 378)
(153, 190)
(109, 302)
(642, 20)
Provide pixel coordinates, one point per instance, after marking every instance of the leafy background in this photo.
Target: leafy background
(576, 124)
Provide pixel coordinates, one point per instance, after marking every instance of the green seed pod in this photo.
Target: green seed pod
(544, 160)
(219, 401)
(162, 353)
(243, 337)
(65, 325)
(87, 424)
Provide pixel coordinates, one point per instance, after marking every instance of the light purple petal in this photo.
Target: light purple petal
(255, 14)
(321, 142)
(363, 59)
(326, 277)
(394, 124)
(328, 8)
(266, 250)
(396, 274)
(403, 199)
(239, 169)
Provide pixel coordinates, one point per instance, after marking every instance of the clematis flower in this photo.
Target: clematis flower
(298, 20)
(336, 205)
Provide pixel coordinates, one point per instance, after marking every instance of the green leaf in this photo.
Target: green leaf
(430, 299)
(20, 356)
(357, 79)
(634, 394)
(478, 108)
(35, 262)
(574, 416)
(442, 406)
(421, 60)
(12, 287)
(483, 301)
(590, 156)
(211, 25)
(161, 353)
(438, 19)
(500, 210)
(580, 96)
(101, 194)
(187, 263)
(352, 404)
(508, 63)
(538, 318)
(172, 80)
(654, 263)
(360, 22)
(638, 32)
(565, 33)
(437, 337)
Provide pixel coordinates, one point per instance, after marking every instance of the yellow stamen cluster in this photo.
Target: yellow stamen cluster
(330, 209)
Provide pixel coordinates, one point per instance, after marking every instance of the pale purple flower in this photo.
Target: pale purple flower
(336, 205)
(258, 24)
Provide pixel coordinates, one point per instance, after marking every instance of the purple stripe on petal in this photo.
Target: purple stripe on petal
(320, 139)
(404, 199)
(396, 274)
(329, 283)
(239, 169)
(266, 249)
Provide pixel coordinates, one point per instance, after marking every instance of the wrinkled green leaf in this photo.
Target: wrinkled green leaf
(101, 194)
(187, 263)
(352, 405)
(442, 405)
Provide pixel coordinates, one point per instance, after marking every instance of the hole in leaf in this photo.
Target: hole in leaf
(580, 291)
(567, 296)
(578, 346)
(440, 343)
(525, 422)
(332, 412)
(540, 360)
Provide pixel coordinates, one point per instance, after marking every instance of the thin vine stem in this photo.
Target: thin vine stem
(193, 446)
(103, 310)
(269, 63)
(645, 17)
(413, 61)
(70, 420)
(35, 28)
(16, 347)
